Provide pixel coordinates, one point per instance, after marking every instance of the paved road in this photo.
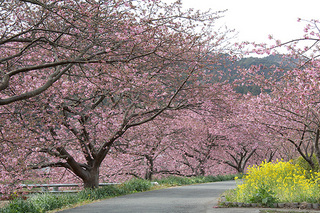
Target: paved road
(187, 199)
(193, 199)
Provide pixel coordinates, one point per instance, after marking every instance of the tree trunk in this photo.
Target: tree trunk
(149, 170)
(202, 172)
(92, 179)
(240, 170)
(316, 146)
(148, 175)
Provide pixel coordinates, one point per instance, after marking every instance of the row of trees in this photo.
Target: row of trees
(115, 89)
(76, 76)
(216, 139)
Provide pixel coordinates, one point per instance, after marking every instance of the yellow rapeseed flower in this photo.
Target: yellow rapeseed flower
(284, 180)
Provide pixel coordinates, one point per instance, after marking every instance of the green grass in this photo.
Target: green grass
(44, 202)
(179, 181)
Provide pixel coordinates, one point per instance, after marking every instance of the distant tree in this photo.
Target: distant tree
(290, 108)
(196, 148)
(145, 149)
(197, 145)
(247, 141)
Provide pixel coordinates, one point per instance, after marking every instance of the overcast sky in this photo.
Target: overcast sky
(254, 20)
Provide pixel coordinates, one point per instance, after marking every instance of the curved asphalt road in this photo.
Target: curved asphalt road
(194, 199)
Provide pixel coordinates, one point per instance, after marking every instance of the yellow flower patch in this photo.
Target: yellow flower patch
(279, 181)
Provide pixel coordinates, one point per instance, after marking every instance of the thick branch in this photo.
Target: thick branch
(46, 165)
(74, 165)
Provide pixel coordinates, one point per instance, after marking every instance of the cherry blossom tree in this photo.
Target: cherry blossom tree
(289, 103)
(247, 141)
(199, 144)
(41, 41)
(291, 110)
(147, 147)
(179, 143)
(76, 76)
(223, 133)
(196, 147)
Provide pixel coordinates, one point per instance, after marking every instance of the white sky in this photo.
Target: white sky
(254, 20)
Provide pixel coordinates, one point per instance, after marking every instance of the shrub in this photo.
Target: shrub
(19, 205)
(176, 181)
(100, 193)
(179, 181)
(39, 203)
(278, 182)
(137, 185)
(264, 196)
(43, 202)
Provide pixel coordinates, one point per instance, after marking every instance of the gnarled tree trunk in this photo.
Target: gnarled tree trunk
(92, 179)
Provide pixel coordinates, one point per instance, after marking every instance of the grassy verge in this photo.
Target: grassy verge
(45, 202)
